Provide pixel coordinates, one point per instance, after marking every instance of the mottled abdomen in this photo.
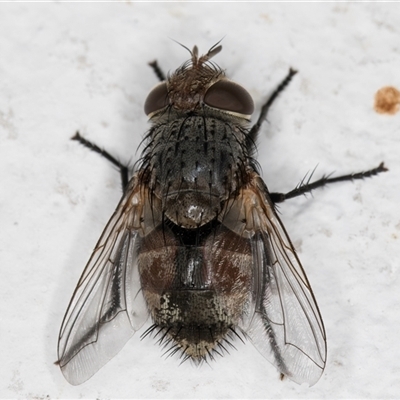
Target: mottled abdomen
(197, 284)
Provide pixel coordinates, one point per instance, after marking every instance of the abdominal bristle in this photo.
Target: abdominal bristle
(174, 344)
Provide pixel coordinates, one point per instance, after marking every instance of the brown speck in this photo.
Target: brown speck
(266, 17)
(387, 100)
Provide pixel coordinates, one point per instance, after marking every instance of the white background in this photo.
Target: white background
(67, 67)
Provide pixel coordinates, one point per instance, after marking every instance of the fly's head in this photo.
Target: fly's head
(197, 85)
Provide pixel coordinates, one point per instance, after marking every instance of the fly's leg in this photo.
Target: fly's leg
(265, 108)
(123, 169)
(304, 188)
(157, 70)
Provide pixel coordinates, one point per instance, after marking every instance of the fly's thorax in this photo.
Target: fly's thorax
(196, 163)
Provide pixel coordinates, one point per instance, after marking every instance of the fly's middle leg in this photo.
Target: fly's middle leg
(307, 187)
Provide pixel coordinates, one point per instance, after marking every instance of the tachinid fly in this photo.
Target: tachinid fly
(195, 242)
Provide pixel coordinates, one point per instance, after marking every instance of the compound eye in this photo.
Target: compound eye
(157, 99)
(229, 96)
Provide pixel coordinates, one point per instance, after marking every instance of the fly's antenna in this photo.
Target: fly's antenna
(214, 50)
(198, 61)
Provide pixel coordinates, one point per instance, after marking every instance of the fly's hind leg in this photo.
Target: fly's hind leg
(307, 187)
(123, 169)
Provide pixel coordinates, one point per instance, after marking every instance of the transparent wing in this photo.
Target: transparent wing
(286, 326)
(107, 307)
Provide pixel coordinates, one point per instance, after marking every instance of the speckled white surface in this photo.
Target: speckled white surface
(81, 66)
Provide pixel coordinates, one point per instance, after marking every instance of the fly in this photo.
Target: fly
(195, 243)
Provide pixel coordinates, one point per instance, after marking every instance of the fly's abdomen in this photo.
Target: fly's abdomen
(196, 320)
(197, 285)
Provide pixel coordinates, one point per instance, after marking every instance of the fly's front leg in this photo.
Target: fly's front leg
(304, 188)
(264, 109)
(123, 169)
(157, 70)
